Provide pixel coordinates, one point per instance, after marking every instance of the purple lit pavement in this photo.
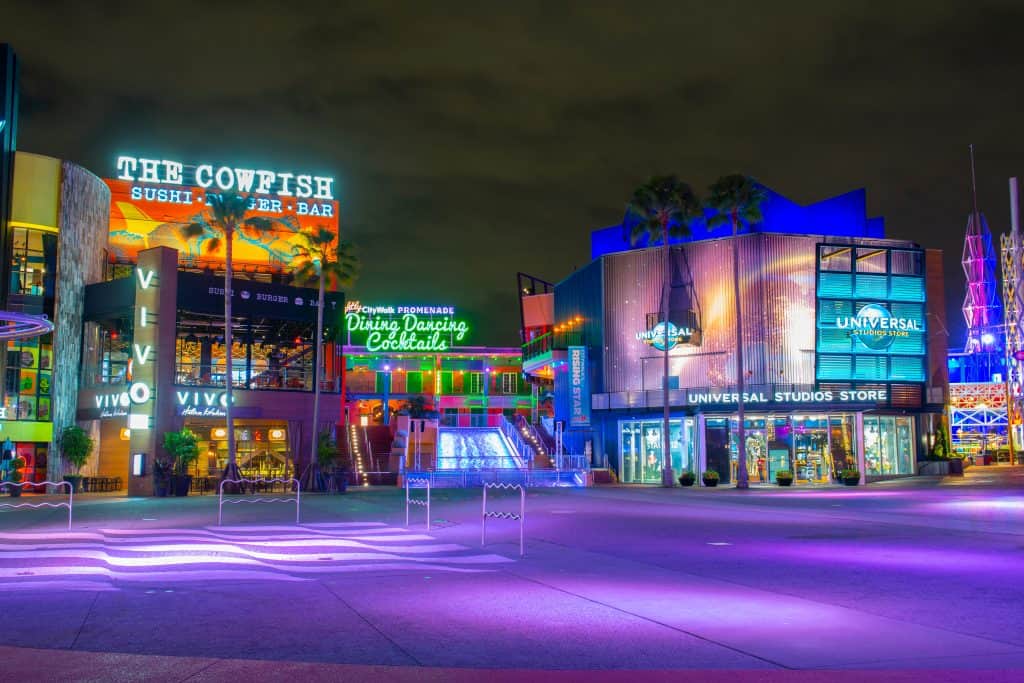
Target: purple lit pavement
(911, 580)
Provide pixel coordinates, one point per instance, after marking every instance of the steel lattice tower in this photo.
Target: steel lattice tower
(1013, 299)
(983, 311)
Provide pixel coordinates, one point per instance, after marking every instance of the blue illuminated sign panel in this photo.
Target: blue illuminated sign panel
(579, 387)
(870, 314)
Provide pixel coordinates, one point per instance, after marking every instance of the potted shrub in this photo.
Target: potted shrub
(76, 446)
(162, 470)
(687, 478)
(13, 475)
(850, 476)
(784, 477)
(326, 454)
(710, 478)
(183, 445)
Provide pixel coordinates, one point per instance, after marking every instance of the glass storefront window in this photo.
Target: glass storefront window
(888, 444)
(813, 457)
(265, 354)
(756, 437)
(815, 448)
(106, 352)
(642, 449)
(27, 379)
(33, 262)
(262, 449)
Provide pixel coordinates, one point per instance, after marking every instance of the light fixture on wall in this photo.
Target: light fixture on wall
(219, 433)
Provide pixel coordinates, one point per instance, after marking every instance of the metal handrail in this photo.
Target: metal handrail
(417, 483)
(220, 496)
(520, 517)
(36, 506)
(524, 450)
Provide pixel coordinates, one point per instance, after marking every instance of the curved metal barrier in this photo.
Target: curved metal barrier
(221, 501)
(417, 483)
(520, 517)
(35, 506)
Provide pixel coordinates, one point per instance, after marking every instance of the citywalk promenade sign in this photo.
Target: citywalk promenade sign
(404, 328)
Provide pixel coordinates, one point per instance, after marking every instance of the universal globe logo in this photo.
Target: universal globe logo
(876, 328)
(657, 337)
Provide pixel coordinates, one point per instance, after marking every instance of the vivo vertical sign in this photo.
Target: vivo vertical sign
(579, 387)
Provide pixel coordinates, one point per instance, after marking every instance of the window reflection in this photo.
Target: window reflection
(265, 354)
(888, 444)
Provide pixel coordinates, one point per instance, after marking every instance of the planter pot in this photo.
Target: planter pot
(75, 481)
(687, 481)
(851, 481)
(711, 482)
(181, 484)
(784, 482)
(14, 490)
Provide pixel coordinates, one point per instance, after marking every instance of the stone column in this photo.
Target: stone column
(82, 238)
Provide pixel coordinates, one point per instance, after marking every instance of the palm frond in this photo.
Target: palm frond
(211, 245)
(663, 207)
(738, 197)
(197, 228)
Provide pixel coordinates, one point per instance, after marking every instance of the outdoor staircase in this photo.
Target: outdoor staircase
(532, 436)
(351, 448)
(546, 437)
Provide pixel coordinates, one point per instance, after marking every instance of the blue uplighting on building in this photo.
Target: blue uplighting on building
(844, 215)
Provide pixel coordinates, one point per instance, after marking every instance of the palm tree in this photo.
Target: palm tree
(663, 207)
(227, 216)
(737, 200)
(323, 259)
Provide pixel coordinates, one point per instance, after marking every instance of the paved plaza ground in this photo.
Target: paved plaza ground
(909, 580)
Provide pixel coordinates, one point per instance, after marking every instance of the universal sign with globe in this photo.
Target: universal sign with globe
(876, 328)
(656, 336)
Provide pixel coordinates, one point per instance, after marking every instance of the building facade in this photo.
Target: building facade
(399, 355)
(844, 360)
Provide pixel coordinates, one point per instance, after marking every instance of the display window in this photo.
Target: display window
(28, 378)
(815, 448)
(888, 444)
(262, 448)
(642, 449)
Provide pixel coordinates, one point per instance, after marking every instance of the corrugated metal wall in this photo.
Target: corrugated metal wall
(580, 295)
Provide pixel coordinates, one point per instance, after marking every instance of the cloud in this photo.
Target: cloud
(471, 142)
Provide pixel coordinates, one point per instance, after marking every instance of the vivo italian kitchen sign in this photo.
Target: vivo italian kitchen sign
(201, 403)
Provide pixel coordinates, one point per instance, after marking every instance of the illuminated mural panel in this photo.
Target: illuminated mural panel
(776, 286)
(152, 201)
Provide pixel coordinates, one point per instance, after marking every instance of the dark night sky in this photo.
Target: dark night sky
(471, 143)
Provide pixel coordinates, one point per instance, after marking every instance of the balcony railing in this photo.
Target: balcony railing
(552, 341)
